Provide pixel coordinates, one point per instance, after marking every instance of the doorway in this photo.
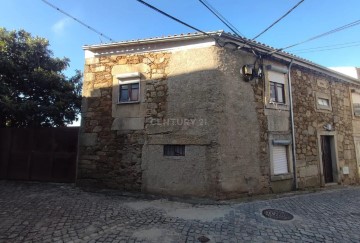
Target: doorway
(328, 159)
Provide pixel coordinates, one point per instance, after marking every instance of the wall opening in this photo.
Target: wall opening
(328, 159)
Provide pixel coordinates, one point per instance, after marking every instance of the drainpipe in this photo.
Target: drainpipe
(295, 184)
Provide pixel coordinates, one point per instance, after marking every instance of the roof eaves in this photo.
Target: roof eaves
(288, 57)
(181, 37)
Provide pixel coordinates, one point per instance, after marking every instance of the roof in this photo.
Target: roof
(228, 36)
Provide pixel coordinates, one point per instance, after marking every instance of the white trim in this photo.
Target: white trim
(128, 75)
(150, 47)
(130, 78)
(280, 159)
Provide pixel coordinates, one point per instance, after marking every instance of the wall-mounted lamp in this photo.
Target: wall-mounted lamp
(250, 72)
(328, 127)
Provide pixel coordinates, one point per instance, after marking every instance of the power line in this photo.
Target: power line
(322, 47)
(228, 24)
(77, 20)
(279, 19)
(352, 24)
(173, 18)
(221, 18)
(329, 49)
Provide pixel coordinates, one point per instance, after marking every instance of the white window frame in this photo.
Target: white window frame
(278, 170)
(280, 140)
(128, 78)
(322, 107)
(277, 78)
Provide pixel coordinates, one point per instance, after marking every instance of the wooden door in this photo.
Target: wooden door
(326, 159)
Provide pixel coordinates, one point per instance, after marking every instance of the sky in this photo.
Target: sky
(128, 19)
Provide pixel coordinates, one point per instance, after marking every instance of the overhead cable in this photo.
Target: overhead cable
(79, 21)
(278, 19)
(327, 49)
(221, 18)
(173, 18)
(352, 24)
(228, 24)
(320, 47)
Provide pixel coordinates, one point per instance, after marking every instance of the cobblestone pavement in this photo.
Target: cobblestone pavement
(45, 212)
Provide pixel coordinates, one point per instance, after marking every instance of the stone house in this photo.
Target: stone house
(214, 115)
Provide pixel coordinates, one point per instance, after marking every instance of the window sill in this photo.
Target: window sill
(281, 177)
(128, 102)
(277, 106)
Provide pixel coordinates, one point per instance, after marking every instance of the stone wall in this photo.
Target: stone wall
(310, 120)
(197, 98)
(110, 155)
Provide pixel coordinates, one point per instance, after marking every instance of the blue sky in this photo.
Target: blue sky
(128, 19)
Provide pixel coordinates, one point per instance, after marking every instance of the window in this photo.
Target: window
(174, 150)
(129, 87)
(129, 92)
(323, 102)
(355, 97)
(277, 87)
(277, 92)
(280, 159)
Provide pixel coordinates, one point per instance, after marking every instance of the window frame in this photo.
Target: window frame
(321, 107)
(129, 79)
(282, 140)
(276, 85)
(356, 92)
(286, 148)
(174, 150)
(274, 75)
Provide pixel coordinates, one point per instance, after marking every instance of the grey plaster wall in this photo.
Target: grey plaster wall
(175, 175)
(239, 134)
(193, 110)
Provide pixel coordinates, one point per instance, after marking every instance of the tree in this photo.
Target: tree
(33, 90)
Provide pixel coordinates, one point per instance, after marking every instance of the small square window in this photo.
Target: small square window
(129, 87)
(129, 92)
(323, 102)
(174, 150)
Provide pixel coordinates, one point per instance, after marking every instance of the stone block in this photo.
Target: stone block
(88, 77)
(99, 69)
(88, 139)
(94, 93)
(93, 60)
(347, 154)
(131, 123)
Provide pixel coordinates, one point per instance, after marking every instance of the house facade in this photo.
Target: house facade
(214, 116)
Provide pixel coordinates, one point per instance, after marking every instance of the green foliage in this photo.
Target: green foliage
(33, 90)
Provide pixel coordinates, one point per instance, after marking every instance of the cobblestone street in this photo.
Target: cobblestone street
(45, 212)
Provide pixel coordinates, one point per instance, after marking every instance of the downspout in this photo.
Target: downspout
(295, 184)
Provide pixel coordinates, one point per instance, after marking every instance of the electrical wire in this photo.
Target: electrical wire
(79, 21)
(221, 18)
(328, 49)
(228, 24)
(352, 24)
(321, 47)
(173, 18)
(279, 19)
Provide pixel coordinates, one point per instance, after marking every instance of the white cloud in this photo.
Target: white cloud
(350, 71)
(59, 27)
